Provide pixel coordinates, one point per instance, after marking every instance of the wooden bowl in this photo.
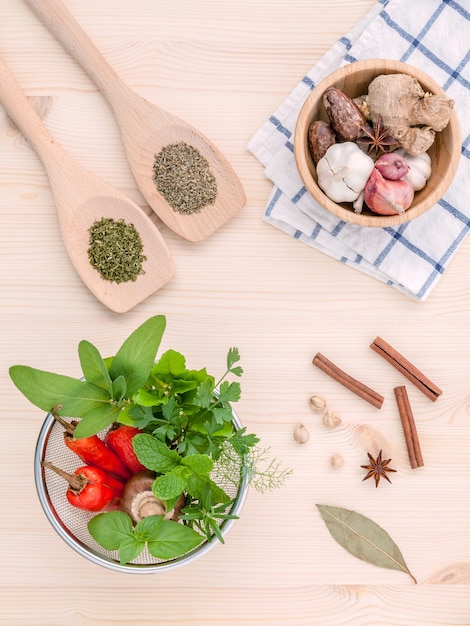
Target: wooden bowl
(354, 79)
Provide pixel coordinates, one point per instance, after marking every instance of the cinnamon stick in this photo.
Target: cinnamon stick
(361, 390)
(404, 366)
(409, 427)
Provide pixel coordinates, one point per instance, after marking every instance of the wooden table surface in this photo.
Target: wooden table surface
(225, 66)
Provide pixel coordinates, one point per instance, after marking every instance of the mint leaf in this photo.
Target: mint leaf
(110, 529)
(169, 485)
(154, 454)
(93, 366)
(198, 463)
(173, 540)
(47, 390)
(135, 358)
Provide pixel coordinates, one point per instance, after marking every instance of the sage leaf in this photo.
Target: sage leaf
(363, 538)
(46, 390)
(135, 358)
(173, 540)
(119, 388)
(93, 366)
(96, 421)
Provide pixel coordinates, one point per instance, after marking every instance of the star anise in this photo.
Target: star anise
(377, 138)
(378, 468)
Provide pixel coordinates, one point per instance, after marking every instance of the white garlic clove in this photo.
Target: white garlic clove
(317, 404)
(336, 460)
(301, 434)
(332, 419)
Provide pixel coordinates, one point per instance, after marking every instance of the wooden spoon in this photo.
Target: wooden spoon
(81, 199)
(145, 130)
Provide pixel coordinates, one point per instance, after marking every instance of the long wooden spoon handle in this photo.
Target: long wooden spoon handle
(68, 31)
(22, 112)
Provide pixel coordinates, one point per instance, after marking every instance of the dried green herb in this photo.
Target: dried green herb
(363, 538)
(183, 177)
(116, 250)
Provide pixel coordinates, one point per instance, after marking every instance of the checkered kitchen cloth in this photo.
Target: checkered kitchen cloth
(433, 35)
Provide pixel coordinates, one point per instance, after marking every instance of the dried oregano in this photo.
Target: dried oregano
(116, 250)
(183, 177)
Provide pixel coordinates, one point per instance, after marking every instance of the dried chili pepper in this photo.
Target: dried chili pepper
(119, 439)
(90, 488)
(93, 451)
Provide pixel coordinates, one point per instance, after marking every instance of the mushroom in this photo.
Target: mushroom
(139, 501)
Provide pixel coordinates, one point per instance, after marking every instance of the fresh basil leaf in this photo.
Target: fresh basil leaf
(47, 390)
(130, 549)
(110, 529)
(119, 388)
(148, 527)
(96, 421)
(135, 358)
(173, 540)
(169, 485)
(93, 367)
(154, 454)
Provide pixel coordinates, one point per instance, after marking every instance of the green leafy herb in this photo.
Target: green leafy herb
(363, 538)
(165, 539)
(188, 436)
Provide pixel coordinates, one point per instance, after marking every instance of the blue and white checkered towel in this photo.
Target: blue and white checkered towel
(433, 35)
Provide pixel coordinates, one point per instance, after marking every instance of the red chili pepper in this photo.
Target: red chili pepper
(90, 488)
(119, 439)
(93, 451)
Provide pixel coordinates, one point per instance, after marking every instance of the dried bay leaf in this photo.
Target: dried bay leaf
(363, 538)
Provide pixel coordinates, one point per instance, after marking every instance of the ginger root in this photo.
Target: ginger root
(411, 115)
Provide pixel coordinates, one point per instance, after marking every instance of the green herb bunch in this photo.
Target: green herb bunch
(187, 429)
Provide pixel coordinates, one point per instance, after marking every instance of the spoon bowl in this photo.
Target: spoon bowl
(145, 130)
(81, 198)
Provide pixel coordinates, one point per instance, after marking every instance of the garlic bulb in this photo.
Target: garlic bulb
(343, 171)
(420, 168)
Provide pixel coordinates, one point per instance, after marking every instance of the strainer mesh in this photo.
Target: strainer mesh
(74, 521)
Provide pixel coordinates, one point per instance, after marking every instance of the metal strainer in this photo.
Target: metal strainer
(71, 523)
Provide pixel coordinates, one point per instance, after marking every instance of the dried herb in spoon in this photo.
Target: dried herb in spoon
(183, 177)
(115, 250)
